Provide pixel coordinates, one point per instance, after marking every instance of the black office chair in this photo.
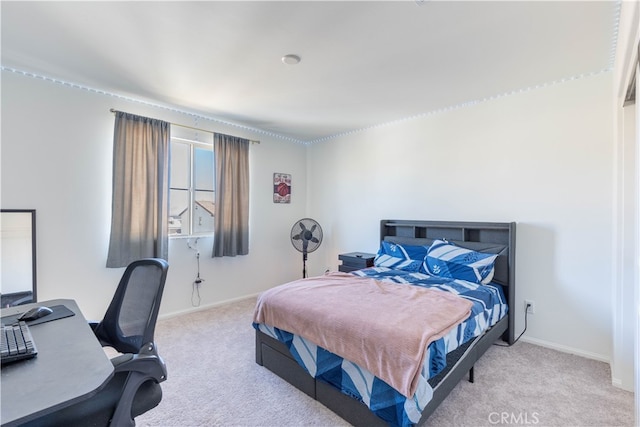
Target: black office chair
(128, 326)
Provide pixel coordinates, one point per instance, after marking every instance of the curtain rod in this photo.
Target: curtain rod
(113, 110)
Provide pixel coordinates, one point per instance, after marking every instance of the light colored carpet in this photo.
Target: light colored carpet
(213, 380)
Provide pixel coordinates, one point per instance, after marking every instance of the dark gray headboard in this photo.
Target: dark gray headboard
(490, 237)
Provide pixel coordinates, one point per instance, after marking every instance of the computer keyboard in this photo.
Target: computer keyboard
(16, 343)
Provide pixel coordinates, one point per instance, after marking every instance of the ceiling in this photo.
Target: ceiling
(363, 63)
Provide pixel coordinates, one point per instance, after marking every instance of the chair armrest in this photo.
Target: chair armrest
(150, 365)
(145, 366)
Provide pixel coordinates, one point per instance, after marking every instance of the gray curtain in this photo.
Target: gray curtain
(140, 190)
(231, 219)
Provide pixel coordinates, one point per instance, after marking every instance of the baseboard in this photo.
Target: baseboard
(617, 382)
(567, 349)
(206, 307)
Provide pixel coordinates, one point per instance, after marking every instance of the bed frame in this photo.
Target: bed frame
(498, 238)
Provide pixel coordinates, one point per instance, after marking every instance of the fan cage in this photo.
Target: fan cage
(306, 230)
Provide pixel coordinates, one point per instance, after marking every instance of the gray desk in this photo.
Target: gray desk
(70, 366)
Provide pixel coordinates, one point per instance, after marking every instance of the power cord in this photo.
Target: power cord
(526, 313)
(195, 291)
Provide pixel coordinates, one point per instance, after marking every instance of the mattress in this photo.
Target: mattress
(488, 307)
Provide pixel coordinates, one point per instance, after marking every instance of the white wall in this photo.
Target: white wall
(542, 158)
(56, 158)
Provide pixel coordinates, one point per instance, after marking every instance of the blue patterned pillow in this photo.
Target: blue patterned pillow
(400, 257)
(445, 259)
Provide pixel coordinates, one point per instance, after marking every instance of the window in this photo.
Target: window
(191, 183)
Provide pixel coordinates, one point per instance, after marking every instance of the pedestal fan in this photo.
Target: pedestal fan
(306, 236)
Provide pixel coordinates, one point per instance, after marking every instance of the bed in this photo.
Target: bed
(354, 390)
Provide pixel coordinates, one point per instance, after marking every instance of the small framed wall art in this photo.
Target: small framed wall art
(281, 188)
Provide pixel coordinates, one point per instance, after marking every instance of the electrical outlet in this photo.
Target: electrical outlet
(530, 306)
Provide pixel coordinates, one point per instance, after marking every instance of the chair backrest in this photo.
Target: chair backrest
(130, 319)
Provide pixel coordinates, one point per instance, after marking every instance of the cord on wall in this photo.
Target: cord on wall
(195, 287)
(526, 313)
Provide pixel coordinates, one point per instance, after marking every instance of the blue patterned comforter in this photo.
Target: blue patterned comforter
(489, 306)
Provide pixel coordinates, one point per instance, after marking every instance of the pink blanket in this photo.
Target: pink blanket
(383, 327)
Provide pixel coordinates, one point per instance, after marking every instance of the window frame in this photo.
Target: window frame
(191, 190)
